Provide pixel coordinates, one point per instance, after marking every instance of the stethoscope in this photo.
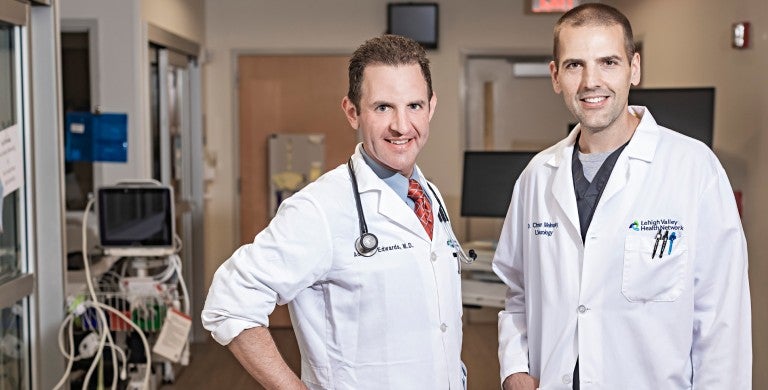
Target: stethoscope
(367, 244)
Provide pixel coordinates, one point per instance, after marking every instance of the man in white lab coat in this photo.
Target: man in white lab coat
(368, 314)
(622, 249)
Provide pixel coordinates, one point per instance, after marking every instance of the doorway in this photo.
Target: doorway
(510, 106)
(176, 139)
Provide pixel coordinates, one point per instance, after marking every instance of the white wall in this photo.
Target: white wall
(121, 68)
(339, 26)
(181, 17)
(687, 43)
(119, 78)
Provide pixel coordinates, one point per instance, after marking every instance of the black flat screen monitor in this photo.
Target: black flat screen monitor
(418, 21)
(136, 220)
(690, 111)
(489, 178)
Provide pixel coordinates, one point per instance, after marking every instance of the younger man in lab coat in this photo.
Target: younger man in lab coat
(642, 283)
(385, 317)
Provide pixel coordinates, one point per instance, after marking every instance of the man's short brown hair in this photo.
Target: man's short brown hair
(385, 50)
(594, 14)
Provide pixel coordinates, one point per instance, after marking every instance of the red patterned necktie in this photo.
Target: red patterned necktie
(422, 207)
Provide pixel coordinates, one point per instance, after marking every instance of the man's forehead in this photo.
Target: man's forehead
(380, 76)
(596, 40)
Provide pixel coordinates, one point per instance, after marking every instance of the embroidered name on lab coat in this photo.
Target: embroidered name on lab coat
(396, 247)
(543, 228)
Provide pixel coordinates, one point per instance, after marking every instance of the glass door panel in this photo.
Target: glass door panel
(12, 353)
(11, 225)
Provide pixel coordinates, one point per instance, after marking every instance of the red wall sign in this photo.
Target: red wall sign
(553, 5)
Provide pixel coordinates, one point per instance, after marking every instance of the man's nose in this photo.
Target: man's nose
(590, 77)
(399, 122)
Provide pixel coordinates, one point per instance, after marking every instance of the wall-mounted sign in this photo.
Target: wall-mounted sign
(96, 137)
(545, 6)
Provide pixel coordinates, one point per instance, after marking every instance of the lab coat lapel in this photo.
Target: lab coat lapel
(389, 204)
(395, 209)
(633, 161)
(562, 181)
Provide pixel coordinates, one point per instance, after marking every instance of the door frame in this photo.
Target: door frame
(169, 45)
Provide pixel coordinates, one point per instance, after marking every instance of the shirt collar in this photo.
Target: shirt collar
(394, 180)
(646, 137)
(642, 145)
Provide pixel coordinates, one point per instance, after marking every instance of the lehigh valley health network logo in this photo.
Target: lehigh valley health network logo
(635, 226)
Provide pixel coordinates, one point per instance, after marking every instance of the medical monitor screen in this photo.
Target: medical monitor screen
(418, 21)
(689, 111)
(489, 178)
(136, 219)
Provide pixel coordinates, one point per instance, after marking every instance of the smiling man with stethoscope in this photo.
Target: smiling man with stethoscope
(365, 256)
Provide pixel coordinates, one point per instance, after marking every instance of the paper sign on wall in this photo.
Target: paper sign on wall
(11, 163)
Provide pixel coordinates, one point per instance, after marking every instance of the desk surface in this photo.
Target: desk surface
(475, 292)
(482, 290)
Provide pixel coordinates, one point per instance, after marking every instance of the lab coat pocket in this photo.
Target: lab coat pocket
(653, 278)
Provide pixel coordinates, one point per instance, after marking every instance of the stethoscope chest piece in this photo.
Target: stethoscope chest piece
(366, 244)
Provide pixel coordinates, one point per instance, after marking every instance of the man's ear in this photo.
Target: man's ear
(553, 74)
(432, 105)
(636, 69)
(350, 111)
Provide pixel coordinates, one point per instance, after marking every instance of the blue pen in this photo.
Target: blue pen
(672, 238)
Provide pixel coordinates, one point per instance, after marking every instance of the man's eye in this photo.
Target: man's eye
(414, 106)
(382, 108)
(572, 65)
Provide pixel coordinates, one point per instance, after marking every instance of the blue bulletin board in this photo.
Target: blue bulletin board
(96, 137)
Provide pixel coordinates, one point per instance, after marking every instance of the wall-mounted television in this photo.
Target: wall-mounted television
(489, 178)
(136, 220)
(690, 111)
(418, 21)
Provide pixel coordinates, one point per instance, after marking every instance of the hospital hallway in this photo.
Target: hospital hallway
(213, 366)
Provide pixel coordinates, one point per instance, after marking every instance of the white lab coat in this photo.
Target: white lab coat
(390, 321)
(677, 322)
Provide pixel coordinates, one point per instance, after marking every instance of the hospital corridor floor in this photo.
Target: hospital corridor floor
(213, 366)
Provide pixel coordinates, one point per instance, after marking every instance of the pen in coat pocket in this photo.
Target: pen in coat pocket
(656, 245)
(664, 244)
(672, 238)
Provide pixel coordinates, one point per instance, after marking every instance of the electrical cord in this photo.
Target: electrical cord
(71, 356)
(106, 335)
(176, 260)
(177, 244)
